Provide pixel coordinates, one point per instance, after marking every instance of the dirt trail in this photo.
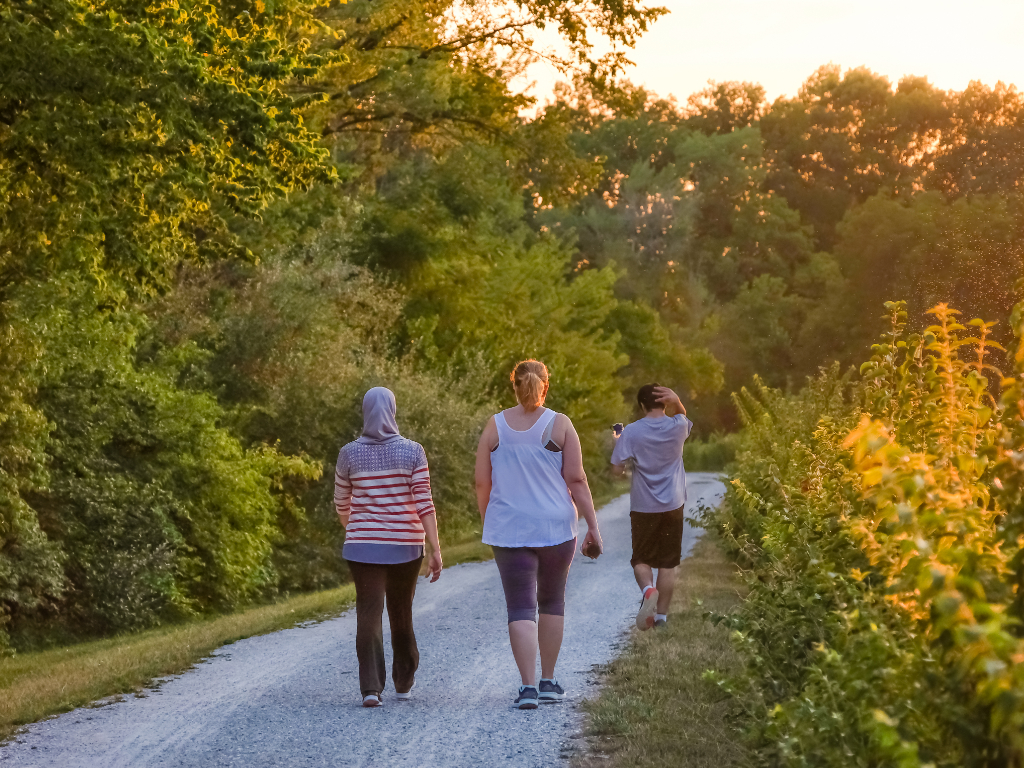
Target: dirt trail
(291, 698)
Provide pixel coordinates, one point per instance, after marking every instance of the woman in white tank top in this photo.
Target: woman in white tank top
(529, 484)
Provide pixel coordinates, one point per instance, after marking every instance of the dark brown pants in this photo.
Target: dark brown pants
(374, 583)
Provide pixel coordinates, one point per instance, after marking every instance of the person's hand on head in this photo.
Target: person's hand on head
(669, 398)
(434, 566)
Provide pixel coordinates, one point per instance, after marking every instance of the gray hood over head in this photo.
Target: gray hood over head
(379, 424)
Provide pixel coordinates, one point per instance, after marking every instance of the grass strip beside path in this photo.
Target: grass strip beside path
(655, 710)
(36, 685)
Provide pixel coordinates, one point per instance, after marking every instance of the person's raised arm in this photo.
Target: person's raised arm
(620, 453)
(482, 475)
(576, 479)
(670, 400)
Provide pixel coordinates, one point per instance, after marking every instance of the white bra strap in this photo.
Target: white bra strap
(548, 428)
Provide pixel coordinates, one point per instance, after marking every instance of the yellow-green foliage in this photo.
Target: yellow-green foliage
(884, 623)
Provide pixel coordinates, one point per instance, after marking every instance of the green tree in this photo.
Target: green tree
(128, 131)
(969, 250)
(682, 208)
(983, 152)
(484, 288)
(726, 107)
(848, 136)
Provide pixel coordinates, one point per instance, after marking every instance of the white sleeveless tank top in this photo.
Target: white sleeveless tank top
(530, 505)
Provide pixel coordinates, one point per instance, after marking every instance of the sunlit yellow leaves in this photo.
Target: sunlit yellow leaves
(882, 717)
(938, 537)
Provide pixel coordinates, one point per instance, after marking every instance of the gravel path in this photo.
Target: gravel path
(291, 698)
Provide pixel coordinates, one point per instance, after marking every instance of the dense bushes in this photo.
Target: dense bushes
(712, 454)
(882, 538)
(156, 509)
(168, 471)
(291, 348)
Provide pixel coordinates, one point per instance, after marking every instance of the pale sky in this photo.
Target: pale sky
(779, 43)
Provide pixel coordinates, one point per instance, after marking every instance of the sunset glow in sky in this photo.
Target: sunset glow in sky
(778, 43)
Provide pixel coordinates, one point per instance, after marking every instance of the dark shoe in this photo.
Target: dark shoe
(527, 697)
(660, 623)
(373, 700)
(550, 691)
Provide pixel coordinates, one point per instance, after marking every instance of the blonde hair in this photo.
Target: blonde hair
(528, 380)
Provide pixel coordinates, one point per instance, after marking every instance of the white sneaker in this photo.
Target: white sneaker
(407, 695)
(373, 700)
(648, 607)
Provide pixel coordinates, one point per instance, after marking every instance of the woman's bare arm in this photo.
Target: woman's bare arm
(488, 442)
(576, 479)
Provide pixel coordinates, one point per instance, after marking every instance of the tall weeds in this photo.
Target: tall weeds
(881, 518)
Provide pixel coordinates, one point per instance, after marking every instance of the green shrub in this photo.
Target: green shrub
(712, 454)
(155, 509)
(31, 570)
(881, 627)
(291, 347)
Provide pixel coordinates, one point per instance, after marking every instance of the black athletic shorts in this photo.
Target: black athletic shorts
(657, 538)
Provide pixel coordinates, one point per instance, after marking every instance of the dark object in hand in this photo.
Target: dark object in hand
(617, 429)
(590, 550)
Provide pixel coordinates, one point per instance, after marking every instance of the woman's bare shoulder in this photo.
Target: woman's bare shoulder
(489, 436)
(561, 428)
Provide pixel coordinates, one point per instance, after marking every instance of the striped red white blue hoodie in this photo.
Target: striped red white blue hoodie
(385, 488)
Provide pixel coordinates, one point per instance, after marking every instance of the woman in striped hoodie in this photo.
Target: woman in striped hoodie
(382, 494)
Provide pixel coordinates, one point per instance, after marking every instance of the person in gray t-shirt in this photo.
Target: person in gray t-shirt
(657, 495)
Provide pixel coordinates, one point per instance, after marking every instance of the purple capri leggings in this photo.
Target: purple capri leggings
(532, 576)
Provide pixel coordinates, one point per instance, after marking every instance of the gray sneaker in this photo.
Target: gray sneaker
(550, 691)
(648, 607)
(528, 697)
(659, 623)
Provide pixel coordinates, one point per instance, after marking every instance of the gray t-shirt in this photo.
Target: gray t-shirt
(656, 447)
